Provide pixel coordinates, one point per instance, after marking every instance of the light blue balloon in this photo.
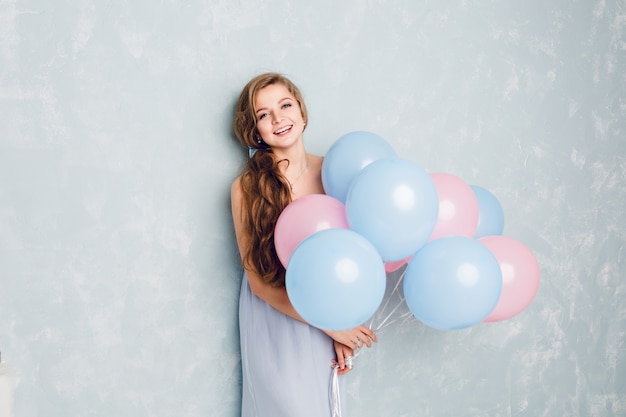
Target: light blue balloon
(335, 279)
(347, 156)
(490, 213)
(394, 204)
(452, 283)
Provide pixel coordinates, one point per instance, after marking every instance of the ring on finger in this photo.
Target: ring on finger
(349, 362)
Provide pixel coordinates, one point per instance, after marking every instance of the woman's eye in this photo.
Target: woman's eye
(286, 105)
(262, 116)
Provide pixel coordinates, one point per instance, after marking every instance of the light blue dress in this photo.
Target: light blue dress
(286, 364)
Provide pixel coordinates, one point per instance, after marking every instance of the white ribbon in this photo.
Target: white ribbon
(335, 400)
(384, 319)
(335, 397)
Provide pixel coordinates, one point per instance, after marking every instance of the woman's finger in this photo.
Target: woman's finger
(369, 335)
(347, 355)
(341, 360)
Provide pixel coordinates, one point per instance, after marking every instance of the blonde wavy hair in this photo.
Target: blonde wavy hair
(266, 192)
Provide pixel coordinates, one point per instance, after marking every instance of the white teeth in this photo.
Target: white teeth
(283, 130)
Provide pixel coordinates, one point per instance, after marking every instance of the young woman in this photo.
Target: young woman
(286, 363)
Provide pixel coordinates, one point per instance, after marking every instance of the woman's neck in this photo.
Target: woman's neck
(293, 174)
(298, 161)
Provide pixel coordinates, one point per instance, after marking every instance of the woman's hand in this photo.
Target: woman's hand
(354, 338)
(347, 341)
(343, 353)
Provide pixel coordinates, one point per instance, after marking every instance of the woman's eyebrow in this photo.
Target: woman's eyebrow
(279, 101)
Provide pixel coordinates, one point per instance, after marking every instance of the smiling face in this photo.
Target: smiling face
(279, 118)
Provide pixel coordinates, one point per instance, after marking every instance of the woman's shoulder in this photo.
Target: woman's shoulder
(235, 187)
(316, 160)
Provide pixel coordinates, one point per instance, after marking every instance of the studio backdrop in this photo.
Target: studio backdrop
(119, 273)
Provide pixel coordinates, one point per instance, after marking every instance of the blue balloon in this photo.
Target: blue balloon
(347, 156)
(490, 213)
(394, 204)
(452, 283)
(335, 279)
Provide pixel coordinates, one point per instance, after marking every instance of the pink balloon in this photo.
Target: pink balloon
(393, 266)
(303, 217)
(458, 207)
(520, 276)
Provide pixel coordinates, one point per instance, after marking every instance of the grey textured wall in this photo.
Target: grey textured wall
(119, 274)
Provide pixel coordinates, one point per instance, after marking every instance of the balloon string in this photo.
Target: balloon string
(386, 321)
(335, 397)
(334, 393)
(395, 290)
(335, 400)
(403, 317)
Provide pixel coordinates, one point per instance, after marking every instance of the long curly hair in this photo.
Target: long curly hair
(266, 192)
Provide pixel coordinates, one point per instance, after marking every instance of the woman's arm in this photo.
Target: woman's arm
(345, 340)
(276, 297)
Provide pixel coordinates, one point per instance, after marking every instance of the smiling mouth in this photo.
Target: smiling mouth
(283, 130)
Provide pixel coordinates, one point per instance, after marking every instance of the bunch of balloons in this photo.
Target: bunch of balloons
(381, 212)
